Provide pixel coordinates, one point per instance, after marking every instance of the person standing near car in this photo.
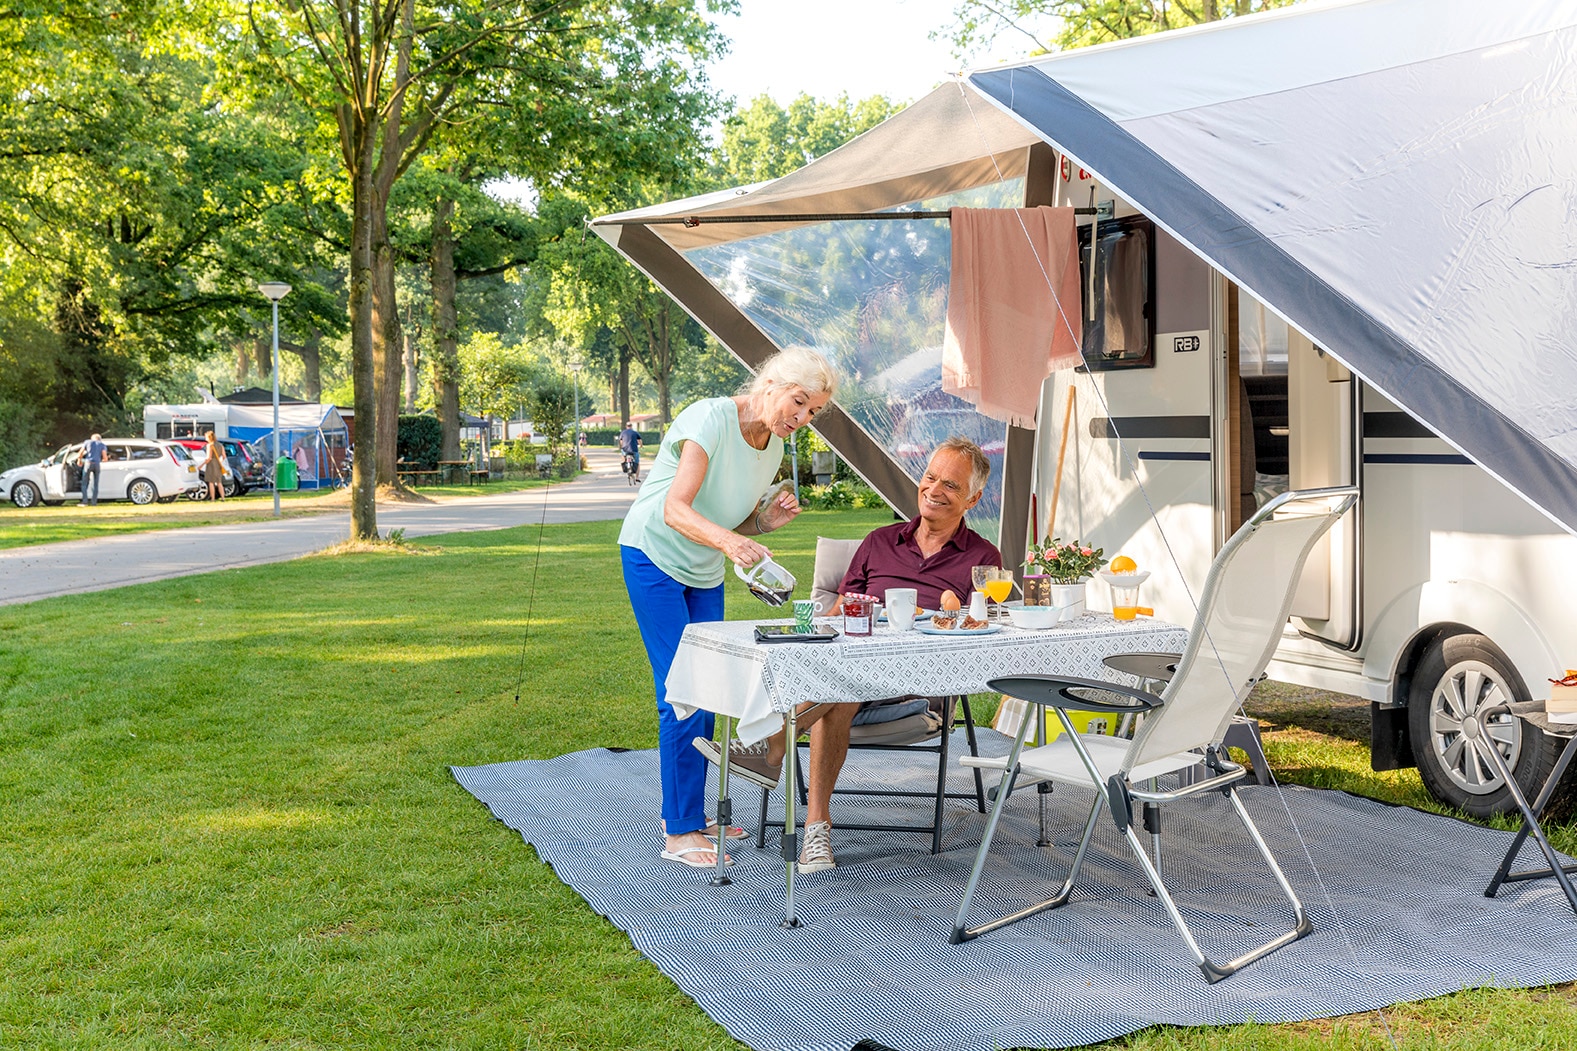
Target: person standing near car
(213, 468)
(92, 460)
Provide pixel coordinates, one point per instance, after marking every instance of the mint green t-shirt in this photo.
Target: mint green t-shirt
(736, 477)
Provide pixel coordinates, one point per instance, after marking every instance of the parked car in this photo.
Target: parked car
(141, 470)
(245, 467)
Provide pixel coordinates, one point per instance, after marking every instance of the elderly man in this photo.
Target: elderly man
(932, 553)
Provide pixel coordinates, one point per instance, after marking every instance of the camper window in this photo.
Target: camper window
(1119, 324)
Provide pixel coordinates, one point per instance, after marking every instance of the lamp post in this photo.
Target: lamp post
(575, 365)
(275, 291)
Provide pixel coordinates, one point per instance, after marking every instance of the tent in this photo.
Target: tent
(312, 434)
(1395, 178)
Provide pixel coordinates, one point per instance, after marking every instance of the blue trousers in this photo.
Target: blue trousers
(663, 607)
(90, 473)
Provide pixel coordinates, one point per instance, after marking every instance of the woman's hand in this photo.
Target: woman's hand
(742, 550)
(781, 511)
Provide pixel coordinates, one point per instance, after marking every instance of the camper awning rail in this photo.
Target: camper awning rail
(691, 221)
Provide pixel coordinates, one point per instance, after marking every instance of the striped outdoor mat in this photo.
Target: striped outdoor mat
(1396, 897)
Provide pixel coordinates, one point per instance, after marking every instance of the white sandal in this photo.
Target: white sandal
(682, 856)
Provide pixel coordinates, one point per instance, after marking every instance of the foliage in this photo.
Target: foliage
(839, 495)
(610, 436)
(421, 439)
(494, 376)
(766, 141)
(551, 405)
(1041, 26)
(22, 436)
(1065, 562)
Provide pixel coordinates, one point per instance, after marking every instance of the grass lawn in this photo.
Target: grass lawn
(230, 823)
(43, 525)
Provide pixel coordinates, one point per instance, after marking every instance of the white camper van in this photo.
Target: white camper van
(1316, 263)
(1442, 594)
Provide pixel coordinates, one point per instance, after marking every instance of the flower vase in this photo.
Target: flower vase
(1070, 598)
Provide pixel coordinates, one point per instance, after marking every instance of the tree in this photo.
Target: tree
(1061, 25)
(389, 75)
(552, 408)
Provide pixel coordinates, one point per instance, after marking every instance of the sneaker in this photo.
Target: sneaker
(748, 761)
(817, 854)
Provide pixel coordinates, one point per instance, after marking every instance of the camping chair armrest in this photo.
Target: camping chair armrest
(1051, 691)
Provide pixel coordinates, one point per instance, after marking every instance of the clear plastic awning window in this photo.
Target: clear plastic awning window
(872, 297)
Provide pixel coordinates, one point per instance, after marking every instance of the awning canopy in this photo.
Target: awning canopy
(1396, 178)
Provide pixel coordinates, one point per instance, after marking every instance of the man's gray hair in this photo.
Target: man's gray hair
(979, 466)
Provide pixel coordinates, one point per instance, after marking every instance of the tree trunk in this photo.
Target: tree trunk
(386, 342)
(665, 363)
(311, 355)
(623, 393)
(446, 332)
(364, 478)
(412, 367)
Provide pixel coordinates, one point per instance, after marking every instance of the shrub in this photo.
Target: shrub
(420, 440)
(840, 495)
(609, 436)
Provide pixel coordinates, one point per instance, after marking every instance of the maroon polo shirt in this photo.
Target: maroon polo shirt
(889, 558)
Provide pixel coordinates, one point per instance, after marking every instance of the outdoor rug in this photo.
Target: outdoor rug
(1396, 897)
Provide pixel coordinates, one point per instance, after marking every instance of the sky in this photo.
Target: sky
(827, 47)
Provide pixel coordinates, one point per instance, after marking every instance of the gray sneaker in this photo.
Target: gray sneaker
(817, 853)
(747, 761)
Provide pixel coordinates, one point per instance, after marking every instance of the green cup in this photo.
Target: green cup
(805, 611)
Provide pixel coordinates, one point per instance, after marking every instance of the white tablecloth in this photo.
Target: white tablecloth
(720, 668)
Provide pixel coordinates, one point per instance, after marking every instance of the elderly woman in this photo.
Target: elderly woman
(696, 513)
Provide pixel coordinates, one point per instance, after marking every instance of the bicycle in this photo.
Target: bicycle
(631, 467)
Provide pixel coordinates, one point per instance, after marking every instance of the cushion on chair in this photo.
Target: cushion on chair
(832, 562)
(911, 729)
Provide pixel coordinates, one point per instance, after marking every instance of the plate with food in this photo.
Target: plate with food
(956, 622)
(919, 614)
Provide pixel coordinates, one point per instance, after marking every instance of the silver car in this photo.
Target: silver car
(141, 470)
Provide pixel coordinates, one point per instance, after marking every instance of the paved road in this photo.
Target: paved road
(45, 570)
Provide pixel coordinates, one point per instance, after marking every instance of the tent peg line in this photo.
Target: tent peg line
(692, 221)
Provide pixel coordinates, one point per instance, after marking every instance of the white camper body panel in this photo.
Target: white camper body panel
(1437, 541)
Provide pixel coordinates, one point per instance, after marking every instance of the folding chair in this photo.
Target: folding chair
(1533, 713)
(928, 732)
(1245, 603)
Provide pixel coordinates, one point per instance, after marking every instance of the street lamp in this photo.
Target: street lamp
(275, 291)
(575, 365)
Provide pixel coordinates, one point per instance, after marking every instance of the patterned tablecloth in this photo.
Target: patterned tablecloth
(721, 668)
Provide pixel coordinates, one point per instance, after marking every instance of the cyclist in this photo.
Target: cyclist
(630, 444)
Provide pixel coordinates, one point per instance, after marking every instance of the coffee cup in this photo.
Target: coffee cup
(805, 611)
(900, 616)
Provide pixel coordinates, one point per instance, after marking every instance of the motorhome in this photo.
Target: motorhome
(1326, 244)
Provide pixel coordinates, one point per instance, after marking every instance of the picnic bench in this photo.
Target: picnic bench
(414, 474)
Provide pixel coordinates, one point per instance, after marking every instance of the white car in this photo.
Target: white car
(137, 469)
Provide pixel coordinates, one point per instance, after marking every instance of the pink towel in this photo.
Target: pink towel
(1005, 331)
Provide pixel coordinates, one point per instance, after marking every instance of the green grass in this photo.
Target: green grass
(43, 525)
(229, 820)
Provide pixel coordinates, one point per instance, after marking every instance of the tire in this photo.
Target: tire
(1460, 676)
(141, 492)
(232, 487)
(25, 494)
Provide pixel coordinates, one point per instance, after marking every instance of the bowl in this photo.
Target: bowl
(1034, 618)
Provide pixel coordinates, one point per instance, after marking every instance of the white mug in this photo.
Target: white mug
(899, 596)
(900, 614)
(977, 605)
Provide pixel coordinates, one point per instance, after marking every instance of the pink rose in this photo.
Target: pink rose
(1087, 551)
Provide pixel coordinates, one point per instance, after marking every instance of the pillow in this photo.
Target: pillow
(832, 562)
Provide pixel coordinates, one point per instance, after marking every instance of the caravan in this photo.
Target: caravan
(1323, 245)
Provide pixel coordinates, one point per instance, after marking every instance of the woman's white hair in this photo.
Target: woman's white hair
(795, 367)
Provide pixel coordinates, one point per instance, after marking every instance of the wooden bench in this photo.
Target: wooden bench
(478, 477)
(417, 477)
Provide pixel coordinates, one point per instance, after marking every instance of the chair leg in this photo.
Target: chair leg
(962, 934)
(974, 750)
(941, 786)
(1215, 972)
(761, 823)
(1244, 733)
(1531, 826)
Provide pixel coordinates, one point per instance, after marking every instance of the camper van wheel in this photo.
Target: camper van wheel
(233, 487)
(1459, 678)
(141, 492)
(24, 494)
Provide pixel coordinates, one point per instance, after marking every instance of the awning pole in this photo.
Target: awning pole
(805, 217)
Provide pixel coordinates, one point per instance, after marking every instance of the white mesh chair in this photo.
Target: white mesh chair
(1242, 611)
